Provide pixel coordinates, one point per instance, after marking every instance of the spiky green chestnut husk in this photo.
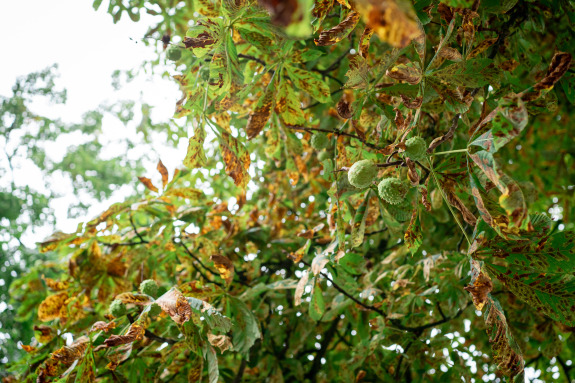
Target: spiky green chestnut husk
(323, 155)
(415, 148)
(117, 308)
(362, 173)
(155, 310)
(319, 141)
(392, 190)
(149, 287)
(173, 53)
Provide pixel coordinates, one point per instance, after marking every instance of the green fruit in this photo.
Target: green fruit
(173, 53)
(323, 155)
(392, 190)
(149, 287)
(117, 308)
(319, 141)
(415, 148)
(155, 310)
(362, 173)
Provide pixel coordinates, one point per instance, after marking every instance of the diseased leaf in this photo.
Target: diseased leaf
(236, 159)
(358, 227)
(224, 266)
(394, 24)
(148, 184)
(204, 37)
(246, 329)
(164, 173)
(175, 305)
(309, 82)
(262, 112)
(135, 333)
(469, 74)
(413, 236)
(339, 32)
(195, 156)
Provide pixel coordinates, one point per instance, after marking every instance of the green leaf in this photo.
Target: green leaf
(309, 82)
(195, 156)
(288, 104)
(317, 304)
(245, 327)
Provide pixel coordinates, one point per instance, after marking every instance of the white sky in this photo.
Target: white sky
(88, 47)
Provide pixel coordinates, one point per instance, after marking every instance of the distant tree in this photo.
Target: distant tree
(360, 176)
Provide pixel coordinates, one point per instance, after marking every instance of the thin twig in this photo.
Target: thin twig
(337, 133)
(181, 243)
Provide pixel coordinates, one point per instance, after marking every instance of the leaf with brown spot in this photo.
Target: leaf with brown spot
(53, 307)
(479, 288)
(309, 82)
(320, 10)
(403, 72)
(300, 288)
(236, 159)
(339, 32)
(29, 349)
(135, 333)
(344, 108)
(261, 113)
(455, 201)
(55, 285)
(412, 173)
(450, 54)
(297, 256)
(482, 47)
(163, 172)
(393, 24)
(148, 184)
(175, 304)
(560, 63)
(364, 41)
(224, 266)
(205, 36)
(414, 103)
(195, 156)
(188, 193)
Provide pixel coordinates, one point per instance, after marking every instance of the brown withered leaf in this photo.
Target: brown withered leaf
(339, 32)
(390, 22)
(450, 54)
(445, 12)
(175, 304)
(414, 103)
(223, 342)
(236, 159)
(55, 285)
(163, 172)
(479, 290)
(261, 113)
(344, 108)
(364, 41)
(412, 173)
(103, 326)
(509, 65)
(425, 195)
(135, 333)
(29, 349)
(453, 199)
(148, 183)
(62, 359)
(134, 298)
(53, 307)
(402, 72)
(358, 129)
(559, 65)
(224, 266)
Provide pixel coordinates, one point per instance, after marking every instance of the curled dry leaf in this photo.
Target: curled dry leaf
(412, 173)
(223, 342)
(402, 72)
(175, 304)
(148, 183)
(163, 172)
(479, 290)
(135, 333)
(364, 41)
(344, 108)
(339, 32)
(134, 298)
(559, 65)
(103, 326)
(224, 266)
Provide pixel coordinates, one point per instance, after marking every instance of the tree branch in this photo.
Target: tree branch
(337, 133)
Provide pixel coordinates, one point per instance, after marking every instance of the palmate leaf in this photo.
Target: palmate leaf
(205, 36)
(469, 74)
(539, 269)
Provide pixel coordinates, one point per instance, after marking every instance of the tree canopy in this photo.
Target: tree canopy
(372, 191)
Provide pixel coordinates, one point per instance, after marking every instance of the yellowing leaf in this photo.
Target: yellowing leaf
(236, 159)
(164, 172)
(389, 21)
(53, 307)
(224, 266)
(148, 183)
(261, 114)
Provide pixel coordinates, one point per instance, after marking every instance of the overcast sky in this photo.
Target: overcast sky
(88, 47)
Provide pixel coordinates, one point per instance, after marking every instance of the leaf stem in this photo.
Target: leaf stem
(451, 151)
